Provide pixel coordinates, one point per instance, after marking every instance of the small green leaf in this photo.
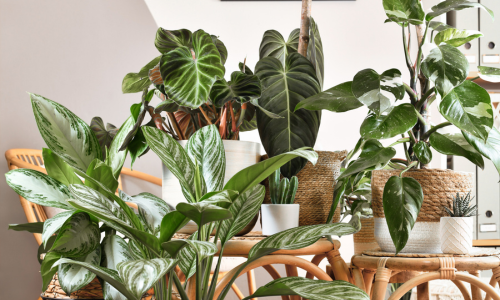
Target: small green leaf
(168, 40)
(117, 154)
(450, 5)
(103, 173)
(58, 169)
(456, 37)
(438, 26)
(489, 74)
(455, 144)
(104, 134)
(404, 11)
(174, 247)
(202, 213)
(397, 121)
(34, 227)
(423, 152)
(337, 99)
(490, 149)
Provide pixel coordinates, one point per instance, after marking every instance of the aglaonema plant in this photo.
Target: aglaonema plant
(139, 250)
(398, 109)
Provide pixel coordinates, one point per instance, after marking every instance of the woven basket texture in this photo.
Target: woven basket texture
(315, 191)
(365, 238)
(438, 187)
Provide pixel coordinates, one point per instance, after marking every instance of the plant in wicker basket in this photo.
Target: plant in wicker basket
(437, 77)
(145, 254)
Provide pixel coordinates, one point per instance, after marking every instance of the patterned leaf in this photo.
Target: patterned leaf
(221, 197)
(274, 45)
(202, 249)
(50, 226)
(455, 37)
(241, 88)
(189, 73)
(337, 99)
(175, 158)
(152, 209)
(283, 87)
(455, 144)
(117, 157)
(397, 121)
(65, 133)
(203, 213)
(311, 289)
(168, 40)
(187, 258)
(206, 147)
(77, 237)
(221, 48)
(104, 134)
(404, 11)
(58, 169)
(489, 74)
(490, 149)
(74, 277)
(449, 5)
(315, 52)
(115, 251)
(140, 275)
(39, 188)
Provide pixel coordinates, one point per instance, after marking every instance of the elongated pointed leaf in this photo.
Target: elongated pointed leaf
(174, 247)
(397, 121)
(168, 40)
(116, 157)
(115, 251)
(468, 107)
(65, 133)
(489, 74)
(455, 144)
(283, 87)
(140, 275)
(490, 149)
(446, 66)
(74, 277)
(77, 237)
(206, 147)
(187, 258)
(274, 45)
(38, 188)
(402, 200)
(47, 270)
(152, 209)
(171, 223)
(34, 227)
(175, 158)
(222, 197)
(102, 173)
(456, 37)
(311, 289)
(450, 5)
(52, 225)
(315, 52)
(404, 11)
(202, 249)
(58, 169)
(189, 73)
(242, 88)
(202, 213)
(337, 99)
(439, 26)
(104, 134)
(378, 92)
(244, 208)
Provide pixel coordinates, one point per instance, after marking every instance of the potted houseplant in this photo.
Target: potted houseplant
(456, 229)
(282, 213)
(145, 253)
(408, 193)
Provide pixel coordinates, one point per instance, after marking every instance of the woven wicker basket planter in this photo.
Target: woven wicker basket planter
(365, 238)
(438, 187)
(315, 192)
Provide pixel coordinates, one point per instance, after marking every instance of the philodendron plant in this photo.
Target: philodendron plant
(139, 250)
(439, 77)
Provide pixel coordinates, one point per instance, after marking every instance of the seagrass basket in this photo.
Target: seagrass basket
(365, 238)
(315, 191)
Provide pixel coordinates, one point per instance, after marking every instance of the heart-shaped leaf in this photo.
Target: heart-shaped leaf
(402, 201)
(490, 149)
(397, 121)
(115, 251)
(407, 11)
(455, 37)
(168, 40)
(77, 237)
(283, 87)
(50, 226)
(450, 5)
(241, 88)
(378, 92)
(202, 213)
(455, 144)
(74, 277)
(104, 134)
(468, 107)
(489, 74)
(423, 152)
(274, 45)
(58, 169)
(337, 99)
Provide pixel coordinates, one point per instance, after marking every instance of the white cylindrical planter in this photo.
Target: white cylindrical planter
(456, 235)
(279, 217)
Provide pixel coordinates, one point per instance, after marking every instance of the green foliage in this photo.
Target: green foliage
(462, 207)
(282, 192)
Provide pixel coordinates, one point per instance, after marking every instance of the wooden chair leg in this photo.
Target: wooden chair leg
(237, 291)
(368, 278)
(423, 291)
(381, 280)
(252, 287)
(463, 289)
(358, 278)
(475, 291)
(495, 278)
(339, 267)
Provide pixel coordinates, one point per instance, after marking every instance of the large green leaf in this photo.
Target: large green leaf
(402, 201)
(456, 37)
(202, 213)
(52, 225)
(450, 5)
(102, 173)
(168, 40)
(140, 275)
(116, 157)
(152, 210)
(244, 208)
(468, 107)
(47, 270)
(58, 169)
(315, 52)
(241, 88)
(33, 227)
(337, 99)
(170, 224)
(74, 277)
(77, 237)
(38, 188)
(175, 158)
(202, 249)
(446, 66)
(455, 144)
(65, 133)
(404, 11)
(221, 48)
(490, 149)
(311, 289)
(489, 74)
(397, 121)
(206, 147)
(283, 87)
(189, 73)
(104, 134)
(274, 45)
(378, 92)
(115, 251)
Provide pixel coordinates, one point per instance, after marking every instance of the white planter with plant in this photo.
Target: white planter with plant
(456, 230)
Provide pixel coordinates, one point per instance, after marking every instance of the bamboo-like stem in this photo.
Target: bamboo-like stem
(175, 125)
(305, 21)
(205, 115)
(234, 129)
(223, 123)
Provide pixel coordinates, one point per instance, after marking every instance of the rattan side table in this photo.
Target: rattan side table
(374, 269)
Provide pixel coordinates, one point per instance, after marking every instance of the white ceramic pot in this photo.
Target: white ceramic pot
(279, 217)
(456, 235)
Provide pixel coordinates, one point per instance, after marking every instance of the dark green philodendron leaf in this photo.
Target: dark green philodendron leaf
(404, 11)
(202, 213)
(168, 40)
(241, 88)
(58, 169)
(489, 74)
(311, 289)
(423, 152)
(446, 66)
(168, 106)
(137, 147)
(104, 134)
(221, 48)
(189, 73)
(114, 251)
(490, 149)
(456, 37)
(274, 45)
(450, 5)
(74, 277)
(402, 201)
(468, 106)
(438, 26)
(315, 52)
(378, 92)
(77, 237)
(282, 89)
(455, 144)
(34, 227)
(246, 68)
(397, 121)
(337, 99)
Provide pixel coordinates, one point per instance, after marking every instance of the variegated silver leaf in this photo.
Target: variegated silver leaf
(116, 158)
(187, 258)
(115, 251)
(225, 196)
(202, 249)
(50, 226)
(73, 277)
(152, 210)
(77, 237)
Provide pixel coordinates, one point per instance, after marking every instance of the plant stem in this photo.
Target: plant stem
(411, 93)
(180, 288)
(156, 118)
(400, 161)
(424, 98)
(426, 136)
(474, 78)
(403, 140)
(175, 125)
(205, 115)
(305, 20)
(413, 140)
(406, 46)
(413, 164)
(421, 41)
(234, 129)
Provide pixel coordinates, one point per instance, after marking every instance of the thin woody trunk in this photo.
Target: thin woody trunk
(305, 20)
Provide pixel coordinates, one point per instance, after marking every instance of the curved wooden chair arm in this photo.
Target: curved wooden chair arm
(143, 176)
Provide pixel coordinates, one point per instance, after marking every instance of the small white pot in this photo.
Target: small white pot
(456, 235)
(279, 217)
